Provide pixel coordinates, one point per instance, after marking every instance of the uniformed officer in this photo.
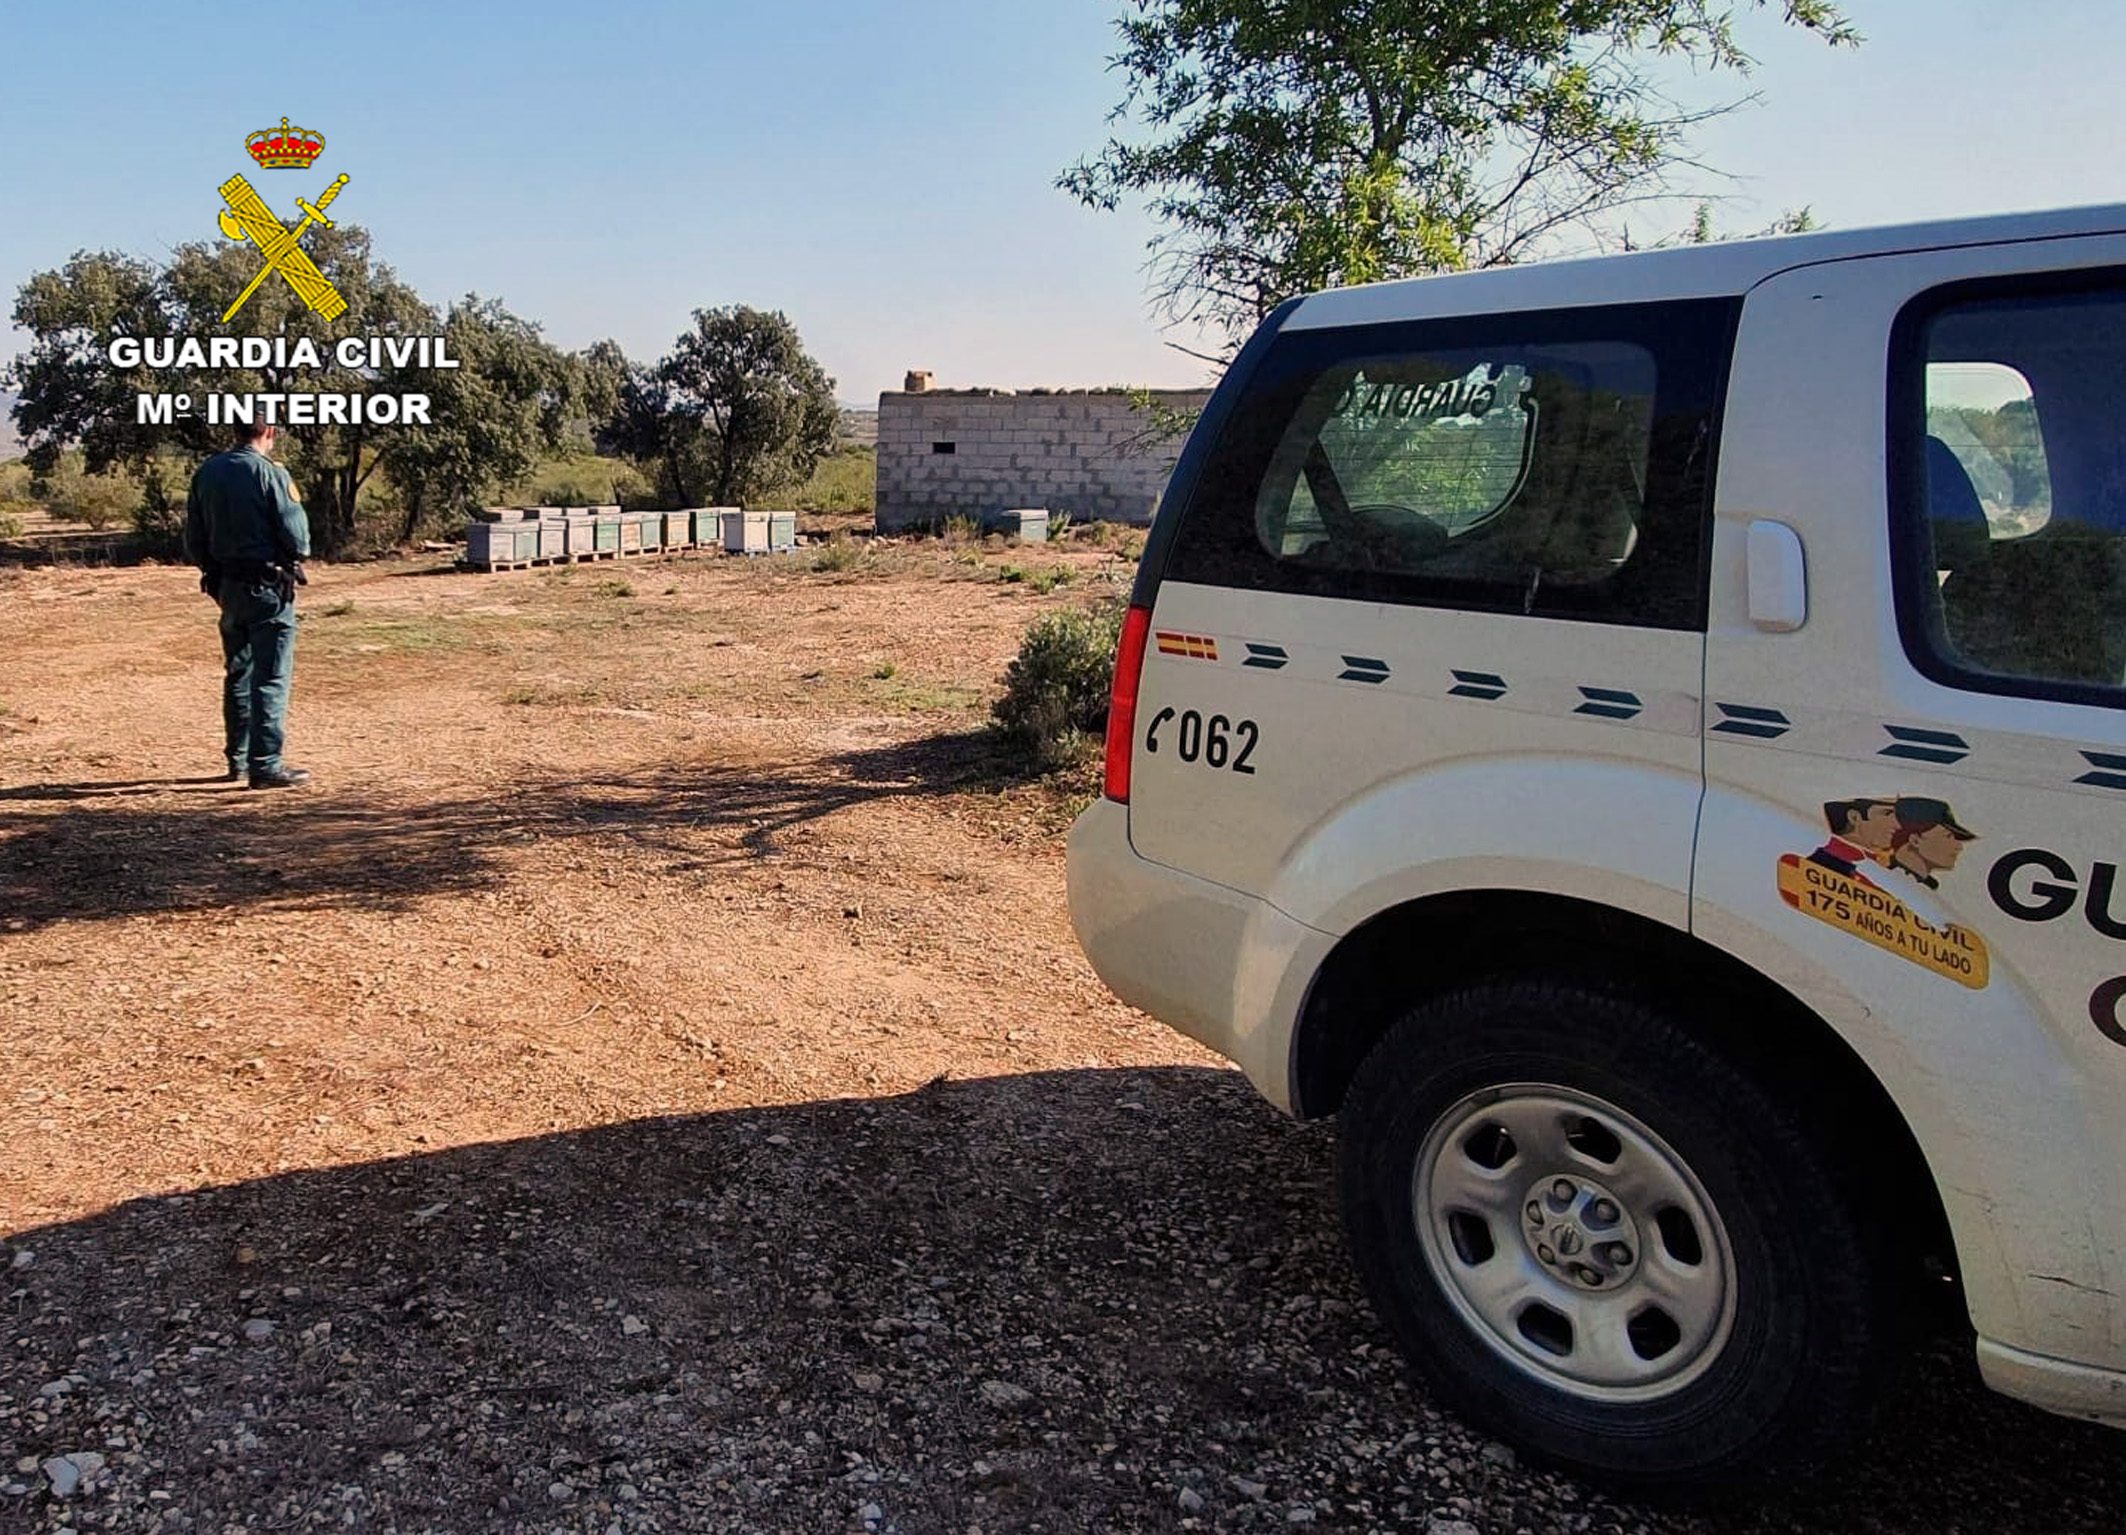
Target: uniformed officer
(248, 535)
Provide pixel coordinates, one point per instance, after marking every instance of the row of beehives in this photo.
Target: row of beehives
(503, 538)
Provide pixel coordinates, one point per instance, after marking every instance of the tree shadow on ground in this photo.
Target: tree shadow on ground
(317, 848)
(775, 1319)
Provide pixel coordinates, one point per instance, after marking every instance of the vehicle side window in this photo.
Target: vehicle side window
(1526, 465)
(2013, 489)
(1556, 464)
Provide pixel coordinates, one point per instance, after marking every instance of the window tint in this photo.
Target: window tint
(1527, 465)
(1555, 464)
(2015, 499)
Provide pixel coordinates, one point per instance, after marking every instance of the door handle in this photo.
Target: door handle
(1778, 577)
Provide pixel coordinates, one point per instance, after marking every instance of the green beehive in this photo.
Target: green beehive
(708, 526)
(652, 528)
(606, 531)
(782, 532)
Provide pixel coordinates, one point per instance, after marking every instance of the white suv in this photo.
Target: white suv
(1641, 739)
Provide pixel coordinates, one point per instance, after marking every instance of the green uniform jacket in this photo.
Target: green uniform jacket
(242, 507)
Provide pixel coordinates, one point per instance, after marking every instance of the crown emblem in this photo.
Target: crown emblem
(285, 148)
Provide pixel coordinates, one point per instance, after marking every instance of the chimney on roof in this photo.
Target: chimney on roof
(918, 381)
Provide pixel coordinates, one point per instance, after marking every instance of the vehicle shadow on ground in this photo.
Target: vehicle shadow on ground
(130, 852)
(1057, 1301)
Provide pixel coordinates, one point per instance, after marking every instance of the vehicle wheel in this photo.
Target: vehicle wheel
(1600, 1239)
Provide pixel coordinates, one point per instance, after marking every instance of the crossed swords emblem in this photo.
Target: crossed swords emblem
(247, 216)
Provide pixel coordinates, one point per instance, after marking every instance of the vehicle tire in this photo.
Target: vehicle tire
(1600, 1239)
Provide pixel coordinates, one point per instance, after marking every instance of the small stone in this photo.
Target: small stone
(26, 1464)
(1003, 1394)
(1248, 1489)
(633, 1326)
(15, 1490)
(1440, 1524)
(1191, 1501)
(778, 1140)
(627, 1492)
(871, 1513)
(1502, 1456)
(560, 1492)
(246, 1255)
(23, 1258)
(1300, 1515)
(64, 1476)
(866, 1381)
(257, 1330)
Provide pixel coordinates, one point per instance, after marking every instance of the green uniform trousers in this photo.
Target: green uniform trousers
(258, 645)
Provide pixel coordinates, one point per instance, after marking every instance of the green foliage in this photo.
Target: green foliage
(1290, 145)
(73, 494)
(961, 529)
(16, 500)
(512, 393)
(492, 416)
(845, 481)
(1048, 580)
(1054, 704)
(159, 517)
(737, 411)
(581, 479)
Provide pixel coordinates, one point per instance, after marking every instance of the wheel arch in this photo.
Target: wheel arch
(1421, 948)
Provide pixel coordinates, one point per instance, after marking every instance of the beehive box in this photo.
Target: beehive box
(553, 538)
(678, 529)
(579, 533)
(630, 534)
(500, 543)
(745, 532)
(708, 525)
(652, 525)
(782, 531)
(1026, 525)
(606, 533)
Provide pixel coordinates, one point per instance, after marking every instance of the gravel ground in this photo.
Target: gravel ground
(528, 1129)
(1060, 1302)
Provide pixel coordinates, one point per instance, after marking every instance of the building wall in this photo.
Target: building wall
(1084, 452)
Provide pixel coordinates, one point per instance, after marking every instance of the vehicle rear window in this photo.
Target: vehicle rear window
(2012, 487)
(1554, 464)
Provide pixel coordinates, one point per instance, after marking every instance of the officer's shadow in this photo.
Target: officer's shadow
(120, 789)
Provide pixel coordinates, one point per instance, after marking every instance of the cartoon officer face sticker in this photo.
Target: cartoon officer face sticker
(1928, 839)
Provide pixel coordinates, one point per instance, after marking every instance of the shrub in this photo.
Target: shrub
(1048, 580)
(845, 481)
(100, 500)
(840, 552)
(1054, 706)
(962, 529)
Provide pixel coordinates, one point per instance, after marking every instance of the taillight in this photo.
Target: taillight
(1122, 704)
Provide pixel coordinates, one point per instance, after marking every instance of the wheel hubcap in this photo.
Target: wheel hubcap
(1574, 1242)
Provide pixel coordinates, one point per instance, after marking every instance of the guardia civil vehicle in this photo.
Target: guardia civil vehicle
(1643, 741)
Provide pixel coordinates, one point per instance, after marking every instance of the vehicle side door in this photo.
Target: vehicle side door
(1915, 732)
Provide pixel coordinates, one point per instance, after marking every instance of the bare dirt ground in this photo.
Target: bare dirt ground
(648, 1084)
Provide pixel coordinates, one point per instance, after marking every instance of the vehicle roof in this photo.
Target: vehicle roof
(1722, 270)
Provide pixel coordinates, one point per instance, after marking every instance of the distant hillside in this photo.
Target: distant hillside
(10, 444)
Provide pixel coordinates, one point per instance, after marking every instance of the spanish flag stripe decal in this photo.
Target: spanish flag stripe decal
(1197, 647)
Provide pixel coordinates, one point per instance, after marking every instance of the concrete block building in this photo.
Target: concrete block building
(1091, 453)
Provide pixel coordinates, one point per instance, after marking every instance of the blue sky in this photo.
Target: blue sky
(880, 171)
